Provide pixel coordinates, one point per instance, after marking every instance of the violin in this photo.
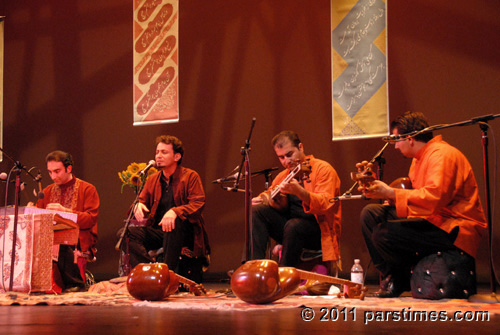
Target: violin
(154, 281)
(262, 281)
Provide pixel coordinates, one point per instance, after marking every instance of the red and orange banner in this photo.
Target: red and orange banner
(156, 75)
(2, 18)
(359, 69)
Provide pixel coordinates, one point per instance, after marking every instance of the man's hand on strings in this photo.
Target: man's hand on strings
(295, 188)
(58, 207)
(257, 201)
(378, 190)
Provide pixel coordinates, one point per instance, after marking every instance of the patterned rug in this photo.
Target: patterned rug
(108, 294)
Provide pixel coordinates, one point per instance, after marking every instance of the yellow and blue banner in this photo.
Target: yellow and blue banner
(359, 69)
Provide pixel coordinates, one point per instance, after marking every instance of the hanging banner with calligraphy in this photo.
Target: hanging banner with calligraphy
(359, 69)
(156, 75)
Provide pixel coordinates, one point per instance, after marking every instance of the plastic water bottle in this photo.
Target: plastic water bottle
(357, 272)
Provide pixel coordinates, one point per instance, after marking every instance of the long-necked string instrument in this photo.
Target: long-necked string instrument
(365, 176)
(263, 281)
(274, 197)
(302, 171)
(154, 281)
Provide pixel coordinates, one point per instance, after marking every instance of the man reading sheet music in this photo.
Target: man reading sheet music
(71, 194)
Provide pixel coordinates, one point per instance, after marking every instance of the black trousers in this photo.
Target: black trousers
(396, 244)
(294, 233)
(143, 239)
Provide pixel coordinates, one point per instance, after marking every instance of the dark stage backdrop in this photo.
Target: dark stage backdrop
(68, 86)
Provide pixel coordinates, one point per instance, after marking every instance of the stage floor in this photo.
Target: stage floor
(347, 316)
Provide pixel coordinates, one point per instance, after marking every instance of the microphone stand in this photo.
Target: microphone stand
(126, 266)
(245, 152)
(268, 176)
(266, 172)
(380, 165)
(380, 171)
(483, 124)
(18, 168)
(380, 162)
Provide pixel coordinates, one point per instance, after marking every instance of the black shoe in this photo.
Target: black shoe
(74, 289)
(388, 289)
(394, 293)
(384, 283)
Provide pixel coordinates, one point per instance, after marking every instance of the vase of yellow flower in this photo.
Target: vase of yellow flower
(131, 177)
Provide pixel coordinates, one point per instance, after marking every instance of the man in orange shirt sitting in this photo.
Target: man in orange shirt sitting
(301, 215)
(441, 212)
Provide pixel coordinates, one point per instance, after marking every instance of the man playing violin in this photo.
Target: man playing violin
(441, 212)
(301, 215)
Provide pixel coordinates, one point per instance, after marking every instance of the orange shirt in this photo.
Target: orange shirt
(444, 193)
(324, 185)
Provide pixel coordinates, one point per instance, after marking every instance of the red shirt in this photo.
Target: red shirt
(82, 198)
(189, 201)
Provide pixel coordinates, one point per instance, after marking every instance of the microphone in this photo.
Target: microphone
(402, 137)
(3, 178)
(235, 175)
(265, 171)
(233, 189)
(38, 179)
(151, 164)
(392, 138)
(230, 177)
(349, 197)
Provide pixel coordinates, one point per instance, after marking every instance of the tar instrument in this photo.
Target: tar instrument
(154, 281)
(262, 281)
(278, 200)
(365, 176)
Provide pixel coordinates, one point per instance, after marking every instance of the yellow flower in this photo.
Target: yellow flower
(151, 171)
(135, 179)
(135, 167)
(130, 177)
